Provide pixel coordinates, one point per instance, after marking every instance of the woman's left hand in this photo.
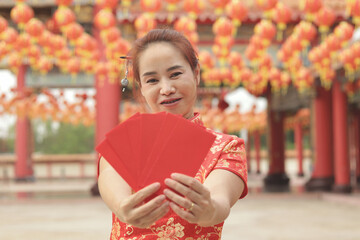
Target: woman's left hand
(196, 205)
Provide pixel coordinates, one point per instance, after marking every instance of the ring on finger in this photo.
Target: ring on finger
(191, 208)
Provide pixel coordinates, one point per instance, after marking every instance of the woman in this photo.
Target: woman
(166, 68)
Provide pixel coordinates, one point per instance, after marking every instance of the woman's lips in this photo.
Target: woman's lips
(171, 101)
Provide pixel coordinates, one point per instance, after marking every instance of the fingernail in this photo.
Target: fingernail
(167, 181)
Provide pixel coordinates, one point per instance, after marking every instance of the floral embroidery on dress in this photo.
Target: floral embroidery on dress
(170, 231)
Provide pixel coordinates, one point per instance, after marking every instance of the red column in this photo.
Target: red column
(23, 164)
(341, 147)
(257, 144)
(248, 150)
(323, 173)
(276, 180)
(299, 146)
(357, 146)
(107, 102)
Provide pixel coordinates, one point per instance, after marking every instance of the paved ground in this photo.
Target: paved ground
(64, 210)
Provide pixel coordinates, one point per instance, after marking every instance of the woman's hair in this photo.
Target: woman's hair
(162, 35)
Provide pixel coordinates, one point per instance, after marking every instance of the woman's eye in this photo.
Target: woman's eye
(176, 74)
(153, 80)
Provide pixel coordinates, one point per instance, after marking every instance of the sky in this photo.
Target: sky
(238, 96)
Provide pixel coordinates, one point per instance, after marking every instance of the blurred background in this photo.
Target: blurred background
(282, 75)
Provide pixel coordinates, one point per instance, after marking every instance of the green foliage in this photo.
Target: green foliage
(65, 139)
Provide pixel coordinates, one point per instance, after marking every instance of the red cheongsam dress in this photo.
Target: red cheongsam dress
(227, 152)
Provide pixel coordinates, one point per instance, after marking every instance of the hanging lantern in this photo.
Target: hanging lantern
(310, 7)
(10, 36)
(3, 24)
(64, 2)
(344, 32)
(44, 65)
(23, 43)
(171, 7)
(325, 18)
(110, 35)
(266, 6)
(327, 78)
(235, 61)
(114, 72)
(144, 23)
(120, 48)
(333, 44)
(150, 6)
(219, 5)
(110, 4)
(206, 60)
(15, 61)
(306, 32)
(104, 19)
(285, 81)
(88, 66)
(275, 80)
(63, 56)
(223, 27)
(34, 54)
(73, 66)
(347, 57)
(73, 31)
(21, 13)
(185, 25)
(64, 16)
(3, 50)
(52, 26)
(266, 31)
(34, 28)
(194, 7)
(85, 44)
(353, 7)
(282, 15)
(237, 11)
(57, 43)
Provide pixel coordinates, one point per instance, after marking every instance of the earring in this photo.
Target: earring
(125, 82)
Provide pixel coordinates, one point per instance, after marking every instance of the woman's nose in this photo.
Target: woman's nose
(167, 88)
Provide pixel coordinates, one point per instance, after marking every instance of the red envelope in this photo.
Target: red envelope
(109, 154)
(184, 152)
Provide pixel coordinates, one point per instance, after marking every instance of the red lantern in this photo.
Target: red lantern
(237, 11)
(34, 28)
(88, 66)
(21, 13)
(265, 30)
(3, 24)
(73, 31)
(104, 19)
(172, 5)
(86, 42)
(73, 66)
(206, 60)
(3, 50)
(64, 56)
(275, 79)
(23, 43)
(110, 35)
(57, 43)
(52, 26)
(110, 4)
(151, 6)
(34, 54)
(185, 25)
(333, 43)
(310, 7)
(144, 23)
(353, 7)
(223, 27)
(9, 36)
(64, 16)
(44, 65)
(64, 2)
(325, 18)
(266, 5)
(282, 15)
(235, 60)
(120, 48)
(306, 32)
(219, 5)
(194, 7)
(344, 31)
(14, 61)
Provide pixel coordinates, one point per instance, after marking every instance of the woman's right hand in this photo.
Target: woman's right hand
(132, 210)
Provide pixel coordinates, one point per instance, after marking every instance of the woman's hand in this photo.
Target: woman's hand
(132, 210)
(196, 205)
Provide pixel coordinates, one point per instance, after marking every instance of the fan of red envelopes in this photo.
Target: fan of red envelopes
(147, 148)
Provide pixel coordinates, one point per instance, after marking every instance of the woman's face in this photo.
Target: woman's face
(167, 81)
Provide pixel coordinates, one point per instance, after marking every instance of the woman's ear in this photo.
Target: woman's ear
(197, 74)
